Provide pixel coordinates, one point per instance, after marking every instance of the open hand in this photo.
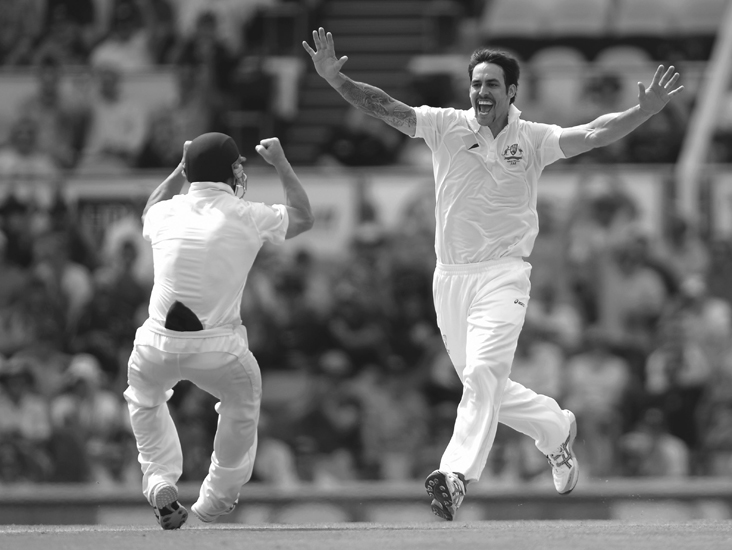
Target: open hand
(660, 92)
(324, 57)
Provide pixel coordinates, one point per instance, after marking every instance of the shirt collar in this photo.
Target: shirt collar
(513, 115)
(198, 186)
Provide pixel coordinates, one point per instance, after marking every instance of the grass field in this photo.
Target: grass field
(485, 535)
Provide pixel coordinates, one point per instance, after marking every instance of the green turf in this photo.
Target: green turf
(487, 535)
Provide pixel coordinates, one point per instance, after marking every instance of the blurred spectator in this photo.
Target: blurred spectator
(676, 374)
(16, 223)
(70, 281)
(127, 228)
(549, 256)
(33, 318)
(107, 323)
(24, 167)
(62, 217)
(361, 141)
(649, 450)
(356, 326)
(117, 127)
(716, 447)
(93, 420)
(709, 319)
(193, 112)
(213, 61)
(554, 317)
(20, 26)
(275, 463)
(330, 439)
(596, 384)
(658, 140)
(67, 32)
(603, 93)
(127, 45)
(684, 251)
(62, 121)
(12, 276)
(232, 15)
(24, 423)
(411, 315)
(600, 213)
(538, 363)
(632, 294)
(302, 333)
(160, 18)
(395, 423)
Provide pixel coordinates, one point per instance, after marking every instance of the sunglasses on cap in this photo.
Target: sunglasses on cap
(240, 178)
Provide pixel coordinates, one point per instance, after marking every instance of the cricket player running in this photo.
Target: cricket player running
(487, 162)
(204, 244)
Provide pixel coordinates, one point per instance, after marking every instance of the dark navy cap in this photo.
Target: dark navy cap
(209, 158)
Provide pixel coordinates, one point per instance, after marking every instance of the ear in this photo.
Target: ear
(512, 90)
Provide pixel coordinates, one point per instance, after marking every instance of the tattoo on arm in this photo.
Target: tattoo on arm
(377, 103)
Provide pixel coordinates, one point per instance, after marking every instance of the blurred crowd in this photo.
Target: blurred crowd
(629, 330)
(80, 118)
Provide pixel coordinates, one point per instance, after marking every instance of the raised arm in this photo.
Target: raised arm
(298, 204)
(172, 185)
(608, 128)
(369, 99)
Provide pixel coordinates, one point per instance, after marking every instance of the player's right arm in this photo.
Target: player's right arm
(369, 99)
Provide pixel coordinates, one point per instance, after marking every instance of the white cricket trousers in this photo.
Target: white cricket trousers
(217, 361)
(480, 311)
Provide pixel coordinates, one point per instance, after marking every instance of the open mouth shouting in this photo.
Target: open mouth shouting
(483, 106)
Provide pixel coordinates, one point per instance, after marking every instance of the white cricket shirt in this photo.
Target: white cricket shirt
(204, 244)
(485, 186)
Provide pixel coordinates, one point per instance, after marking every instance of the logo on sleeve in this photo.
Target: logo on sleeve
(512, 154)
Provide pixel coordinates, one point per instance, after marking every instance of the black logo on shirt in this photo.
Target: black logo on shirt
(512, 154)
(519, 302)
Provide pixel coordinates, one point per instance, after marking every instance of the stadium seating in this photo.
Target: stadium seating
(700, 17)
(646, 17)
(513, 18)
(577, 17)
(631, 64)
(558, 75)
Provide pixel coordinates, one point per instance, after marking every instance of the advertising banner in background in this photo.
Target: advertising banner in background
(337, 197)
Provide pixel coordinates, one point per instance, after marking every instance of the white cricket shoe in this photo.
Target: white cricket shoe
(565, 468)
(168, 511)
(447, 490)
(210, 517)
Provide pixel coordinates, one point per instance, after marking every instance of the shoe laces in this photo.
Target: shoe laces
(457, 494)
(561, 457)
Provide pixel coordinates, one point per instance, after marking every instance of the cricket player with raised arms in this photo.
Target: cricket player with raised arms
(487, 162)
(204, 244)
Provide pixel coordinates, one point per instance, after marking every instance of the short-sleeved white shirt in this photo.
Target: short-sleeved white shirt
(485, 186)
(204, 244)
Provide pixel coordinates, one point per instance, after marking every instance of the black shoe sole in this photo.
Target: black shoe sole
(168, 511)
(436, 486)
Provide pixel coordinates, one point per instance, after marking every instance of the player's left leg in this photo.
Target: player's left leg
(553, 429)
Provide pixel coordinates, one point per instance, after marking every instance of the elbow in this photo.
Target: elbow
(304, 222)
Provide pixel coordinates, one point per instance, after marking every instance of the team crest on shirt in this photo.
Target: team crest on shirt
(512, 154)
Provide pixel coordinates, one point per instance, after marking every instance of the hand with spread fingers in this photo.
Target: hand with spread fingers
(659, 93)
(324, 58)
